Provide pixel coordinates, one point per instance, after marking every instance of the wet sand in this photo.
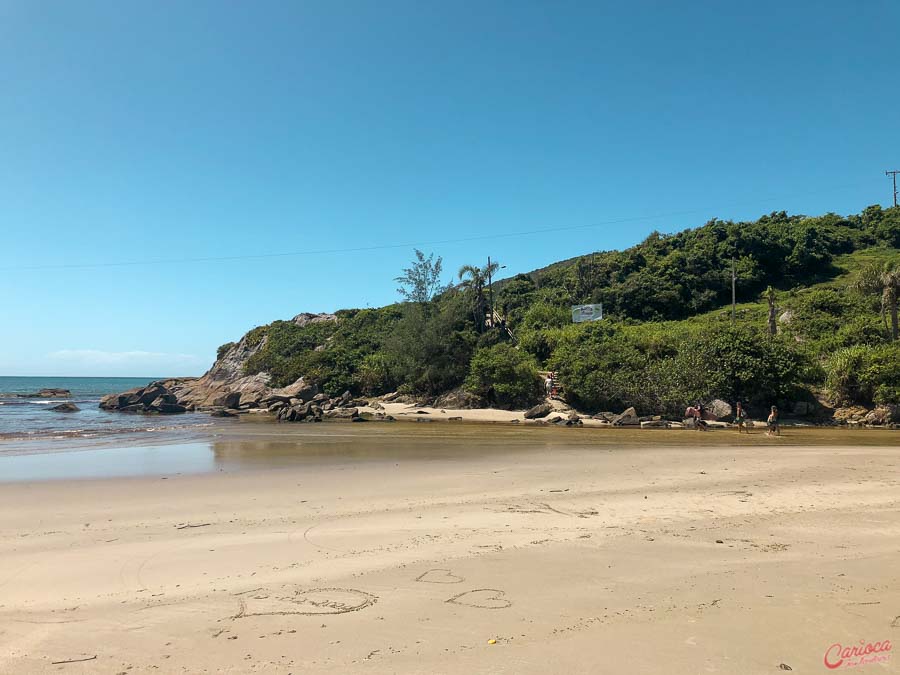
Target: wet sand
(401, 548)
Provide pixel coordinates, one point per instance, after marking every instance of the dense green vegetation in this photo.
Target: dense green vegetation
(668, 339)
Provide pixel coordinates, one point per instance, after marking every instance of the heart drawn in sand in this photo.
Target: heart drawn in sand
(482, 598)
(308, 602)
(439, 576)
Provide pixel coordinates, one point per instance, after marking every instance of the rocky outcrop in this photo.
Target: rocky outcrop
(458, 399)
(224, 386)
(48, 393)
(154, 398)
(883, 415)
(65, 408)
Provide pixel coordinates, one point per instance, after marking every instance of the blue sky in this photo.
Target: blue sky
(145, 131)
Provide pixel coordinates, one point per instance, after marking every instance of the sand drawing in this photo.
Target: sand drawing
(482, 598)
(534, 507)
(439, 576)
(314, 601)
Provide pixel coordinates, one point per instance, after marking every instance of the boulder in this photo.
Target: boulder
(574, 420)
(65, 407)
(222, 413)
(299, 389)
(882, 415)
(719, 409)
(318, 398)
(628, 418)
(149, 394)
(458, 399)
(605, 416)
(655, 424)
(540, 410)
(231, 399)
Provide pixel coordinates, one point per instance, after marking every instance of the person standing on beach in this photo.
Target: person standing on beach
(739, 418)
(774, 427)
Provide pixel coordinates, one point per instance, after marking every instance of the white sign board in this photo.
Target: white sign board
(581, 313)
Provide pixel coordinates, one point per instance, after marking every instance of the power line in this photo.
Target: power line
(384, 247)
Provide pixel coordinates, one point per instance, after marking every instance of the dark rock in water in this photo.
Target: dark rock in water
(65, 407)
(222, 413)
(357, 418)
(170, 408)
(153, 398)
(540, 410)
(48, 393)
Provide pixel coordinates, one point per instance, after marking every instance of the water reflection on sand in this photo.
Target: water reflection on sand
(262, 445)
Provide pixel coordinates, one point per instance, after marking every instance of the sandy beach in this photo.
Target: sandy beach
(528, 551)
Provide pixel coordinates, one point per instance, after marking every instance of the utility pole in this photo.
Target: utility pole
(490, 291)
(733, 291)
(893, 174)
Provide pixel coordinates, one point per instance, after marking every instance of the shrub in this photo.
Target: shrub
(224, 349)
(504, 376)
(843, 375)
(881, 374)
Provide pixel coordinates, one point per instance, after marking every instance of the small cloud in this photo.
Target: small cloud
(98, 357)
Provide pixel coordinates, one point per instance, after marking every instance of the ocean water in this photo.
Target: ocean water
(31, 420)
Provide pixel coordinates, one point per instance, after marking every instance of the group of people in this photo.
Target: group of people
(697, 412)
(740, 420)
(550, 384)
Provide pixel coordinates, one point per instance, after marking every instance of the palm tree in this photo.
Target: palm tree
(883, 279)
(473, 279)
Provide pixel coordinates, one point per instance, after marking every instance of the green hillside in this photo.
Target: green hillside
(667, 340)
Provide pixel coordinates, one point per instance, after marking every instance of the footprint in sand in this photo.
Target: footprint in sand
(313, 601)
(439, 576)
(482, 598)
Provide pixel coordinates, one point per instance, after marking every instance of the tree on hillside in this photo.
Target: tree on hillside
(421, 282)
(883, 279)
(770, 298)
(473, 280)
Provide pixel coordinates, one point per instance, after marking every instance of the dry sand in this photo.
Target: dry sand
(573, 558)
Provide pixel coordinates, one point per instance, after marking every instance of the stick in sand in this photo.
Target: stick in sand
(58, 663)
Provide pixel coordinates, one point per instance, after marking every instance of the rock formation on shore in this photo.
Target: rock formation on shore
(224, 386)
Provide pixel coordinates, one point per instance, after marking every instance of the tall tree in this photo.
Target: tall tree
(421, 282)
(883, 279)
(473, 280)
(770, 298)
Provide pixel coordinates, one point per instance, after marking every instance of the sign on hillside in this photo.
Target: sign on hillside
(581, 313)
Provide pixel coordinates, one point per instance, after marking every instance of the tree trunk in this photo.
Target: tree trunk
(773, 326)
(894, 327)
